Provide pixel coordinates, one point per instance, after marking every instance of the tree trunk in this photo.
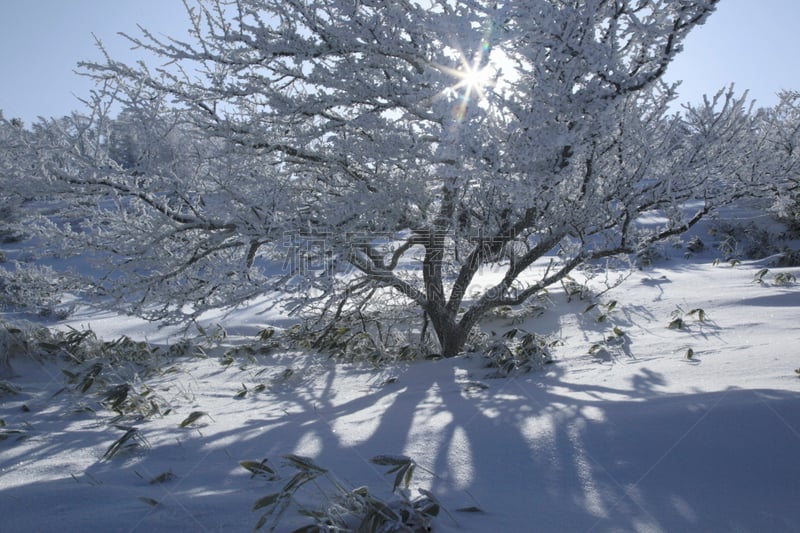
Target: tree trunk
(451, 335)
(453, 342)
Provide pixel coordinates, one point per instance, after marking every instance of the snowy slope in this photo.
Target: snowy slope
(634, 436)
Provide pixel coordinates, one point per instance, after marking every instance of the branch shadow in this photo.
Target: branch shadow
(532, 451)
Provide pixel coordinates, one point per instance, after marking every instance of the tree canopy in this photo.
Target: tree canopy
(337, 150)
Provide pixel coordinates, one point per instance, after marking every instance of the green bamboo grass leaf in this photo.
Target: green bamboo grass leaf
(408, 475)
(258, 469)
(8, 433)
(429, 504)
(388, 460)
(192, 418)
(402, 471)
(116, 396)
(676, 324)
(402, 465)
(304, 463)
(52, 347)
(701, 314)
(267, 500)
(7, 388)
(163, 478)
(71, 376)
(261, 522)
(312, 528)
(299, 479)
(122, 443)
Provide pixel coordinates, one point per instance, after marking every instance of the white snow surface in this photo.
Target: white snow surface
(635, 438)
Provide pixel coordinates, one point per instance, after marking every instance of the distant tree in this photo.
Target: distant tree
(779, 165)
(11, 134)
(398, 146)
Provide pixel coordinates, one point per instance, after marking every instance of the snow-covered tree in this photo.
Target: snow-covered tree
(369, 146)
(779, 166)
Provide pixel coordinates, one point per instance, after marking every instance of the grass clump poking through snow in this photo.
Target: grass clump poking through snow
(343, 508)
(517, 352)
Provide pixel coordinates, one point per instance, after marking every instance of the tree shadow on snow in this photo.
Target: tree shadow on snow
(558, 456)
(533, 451)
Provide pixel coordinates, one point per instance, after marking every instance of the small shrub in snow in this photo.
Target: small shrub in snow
(784, 278)
(10, 216)
(788, 258)
(736, 240)
(695, 245)
(780, 279)
(603, 310)
(518, 351)
(758, 277)
(573, 289)
(679, 317)
(343, 508)
(380, 333)
(32, 288)
(23, 340)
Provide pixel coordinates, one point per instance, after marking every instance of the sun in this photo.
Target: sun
(472, 77)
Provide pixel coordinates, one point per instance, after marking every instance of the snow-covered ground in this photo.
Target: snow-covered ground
(649, 428)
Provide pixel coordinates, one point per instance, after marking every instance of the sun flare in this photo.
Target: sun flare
(472, 78)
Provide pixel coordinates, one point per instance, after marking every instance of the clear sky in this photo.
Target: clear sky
(754, 43)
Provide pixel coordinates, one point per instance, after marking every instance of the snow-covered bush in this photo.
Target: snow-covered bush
(336, 507)
(780, 157)
(33, 288)
(10, 216)
(19, 340)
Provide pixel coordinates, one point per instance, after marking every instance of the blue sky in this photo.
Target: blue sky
(755, 44)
